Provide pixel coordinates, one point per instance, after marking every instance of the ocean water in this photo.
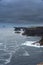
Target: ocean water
(16, 49)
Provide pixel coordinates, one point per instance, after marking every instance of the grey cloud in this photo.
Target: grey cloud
(21, 10)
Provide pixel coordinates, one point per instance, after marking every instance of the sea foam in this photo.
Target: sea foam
(30, 43)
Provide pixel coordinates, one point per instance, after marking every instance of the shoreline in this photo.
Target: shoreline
(32, 31)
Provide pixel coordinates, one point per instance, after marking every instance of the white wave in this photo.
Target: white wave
(6, 60)
(9, 59)
(30, 43)
(26, 54)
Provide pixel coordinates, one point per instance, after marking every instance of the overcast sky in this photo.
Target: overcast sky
(21, 11)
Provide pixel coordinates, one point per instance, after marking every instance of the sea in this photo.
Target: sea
(16, 49)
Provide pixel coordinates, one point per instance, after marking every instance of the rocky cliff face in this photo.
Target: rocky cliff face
(33, 31)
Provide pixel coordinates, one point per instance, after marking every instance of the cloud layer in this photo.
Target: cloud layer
(21, 11)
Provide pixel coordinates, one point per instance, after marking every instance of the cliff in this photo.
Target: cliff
(33, 31)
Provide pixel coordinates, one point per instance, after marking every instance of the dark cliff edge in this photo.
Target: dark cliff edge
(33, 31)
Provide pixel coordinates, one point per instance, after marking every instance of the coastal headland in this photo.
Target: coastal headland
(31, 31)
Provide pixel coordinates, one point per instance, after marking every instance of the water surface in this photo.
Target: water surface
(14, 52)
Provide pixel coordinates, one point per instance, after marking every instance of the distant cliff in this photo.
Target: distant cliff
(33, 31)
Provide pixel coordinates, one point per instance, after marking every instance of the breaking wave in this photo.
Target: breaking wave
(32, 44)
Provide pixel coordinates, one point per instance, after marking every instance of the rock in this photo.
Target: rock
(35, 31)
(17, 29)
(18, 32)
(41, 41)
(40, 63)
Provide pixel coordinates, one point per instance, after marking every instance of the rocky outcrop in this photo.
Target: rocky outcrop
(35, 31)
(41, 41)
(19, 28)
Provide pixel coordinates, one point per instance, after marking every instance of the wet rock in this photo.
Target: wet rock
(41, 41)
